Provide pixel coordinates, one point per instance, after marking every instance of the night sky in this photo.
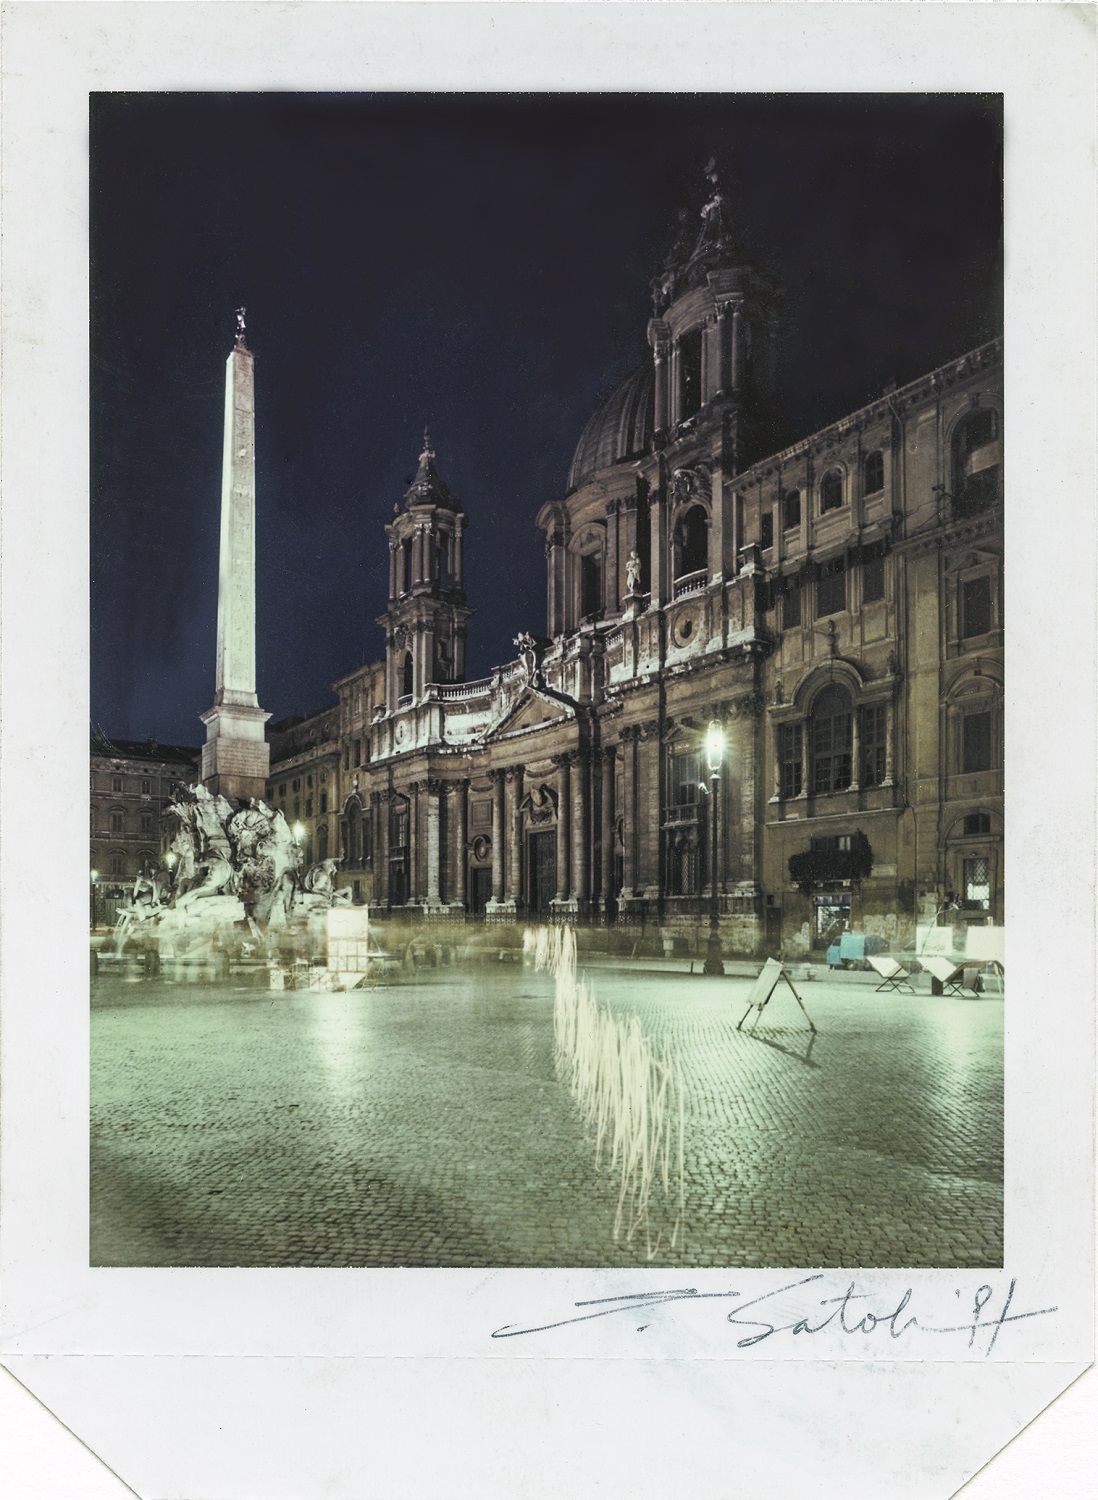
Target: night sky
(478, 264)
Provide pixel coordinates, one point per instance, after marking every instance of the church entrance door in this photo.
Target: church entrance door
(542, 865)
(480, 889)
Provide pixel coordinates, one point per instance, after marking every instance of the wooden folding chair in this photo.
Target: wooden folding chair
(893, 975)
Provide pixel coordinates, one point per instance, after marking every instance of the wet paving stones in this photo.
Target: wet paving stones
(423, 1124)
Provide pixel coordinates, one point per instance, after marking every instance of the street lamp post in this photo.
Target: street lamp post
(714, 754)
(94, 888)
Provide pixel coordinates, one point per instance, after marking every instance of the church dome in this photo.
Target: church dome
(620, 428)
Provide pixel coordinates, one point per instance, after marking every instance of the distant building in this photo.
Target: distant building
(132, 782)
(836, 604)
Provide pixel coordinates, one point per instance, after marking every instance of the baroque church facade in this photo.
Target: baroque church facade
(834, 604)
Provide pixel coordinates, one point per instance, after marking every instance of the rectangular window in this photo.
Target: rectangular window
(358, 752)
(789, 760)
(297, 807)
(116, 783)
(146, 825)
(346, 757)
(590, 584)
(690, 363)
(977, 884)
(282, 789)
(116, 822)
(297, 784)
(976, 823)
(791, 510)
(873, 745)
(873, 580)
(791, 607)
(831, 588)
(308, 781)
(766, 529)
(685, 778)
(975, 607)
(832, 747)
(116, 864)
(324, 802)
(976, 742)
(308, 807)
(146, 786)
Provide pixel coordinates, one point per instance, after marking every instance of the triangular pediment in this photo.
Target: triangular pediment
(529, 711)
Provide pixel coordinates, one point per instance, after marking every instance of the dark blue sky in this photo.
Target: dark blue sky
(479, 264)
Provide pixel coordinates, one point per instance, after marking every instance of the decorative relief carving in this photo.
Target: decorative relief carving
(540, 804)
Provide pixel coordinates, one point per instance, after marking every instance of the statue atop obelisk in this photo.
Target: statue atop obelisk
(236, 758)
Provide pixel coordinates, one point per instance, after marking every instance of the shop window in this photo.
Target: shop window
(790, 768)
(791, 510)
(690, 364)
(975, 607)
(831, 492)
(976, 742)
(766, 529)
(874, 473)
(831, 732)
(873, 728)
(831, 588)
(873, 580)
(977, 892)
(977, 823)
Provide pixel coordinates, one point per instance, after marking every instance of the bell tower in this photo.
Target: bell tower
(427, 614)
(714, 333)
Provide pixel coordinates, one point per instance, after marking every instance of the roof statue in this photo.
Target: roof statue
(240, 344)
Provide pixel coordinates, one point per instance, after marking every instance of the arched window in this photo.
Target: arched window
(977, 454)
(873, 473)
(322, 842)
(831, 492)
(691, 542)
(407, 676)
(832, 740)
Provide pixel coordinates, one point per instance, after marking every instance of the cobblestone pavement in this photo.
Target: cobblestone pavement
(423, 1124)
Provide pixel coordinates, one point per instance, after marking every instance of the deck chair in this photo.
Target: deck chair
(950, 975)
(893, 975)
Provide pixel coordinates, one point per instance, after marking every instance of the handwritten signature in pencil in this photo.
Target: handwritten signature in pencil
(852, 1312)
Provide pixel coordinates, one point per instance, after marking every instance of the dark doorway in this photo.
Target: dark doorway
(398, 881)
(542, 865)
(480, 889)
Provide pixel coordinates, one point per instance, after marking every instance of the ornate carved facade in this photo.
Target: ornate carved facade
(836, 603)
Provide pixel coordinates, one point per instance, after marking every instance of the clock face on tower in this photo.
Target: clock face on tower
(401, 732)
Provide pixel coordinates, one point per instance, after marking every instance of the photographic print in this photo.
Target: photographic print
(547, 680)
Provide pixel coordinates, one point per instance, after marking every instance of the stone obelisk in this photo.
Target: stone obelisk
(236, 758)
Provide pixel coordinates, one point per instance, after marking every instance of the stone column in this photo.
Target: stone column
(392, 569)
(434, 843)
(723, 362)
(675, 384)
(458, 558)
(629, 808)
(496, 778)
(738, 351)
(611, 584)
(658, 337)
(381, 873)
(580, 780)
(514, 831)
(609, 773)
(460, 841)
(563, 826)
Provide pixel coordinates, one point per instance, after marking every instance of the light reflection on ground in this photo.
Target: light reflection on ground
(423, 1124)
